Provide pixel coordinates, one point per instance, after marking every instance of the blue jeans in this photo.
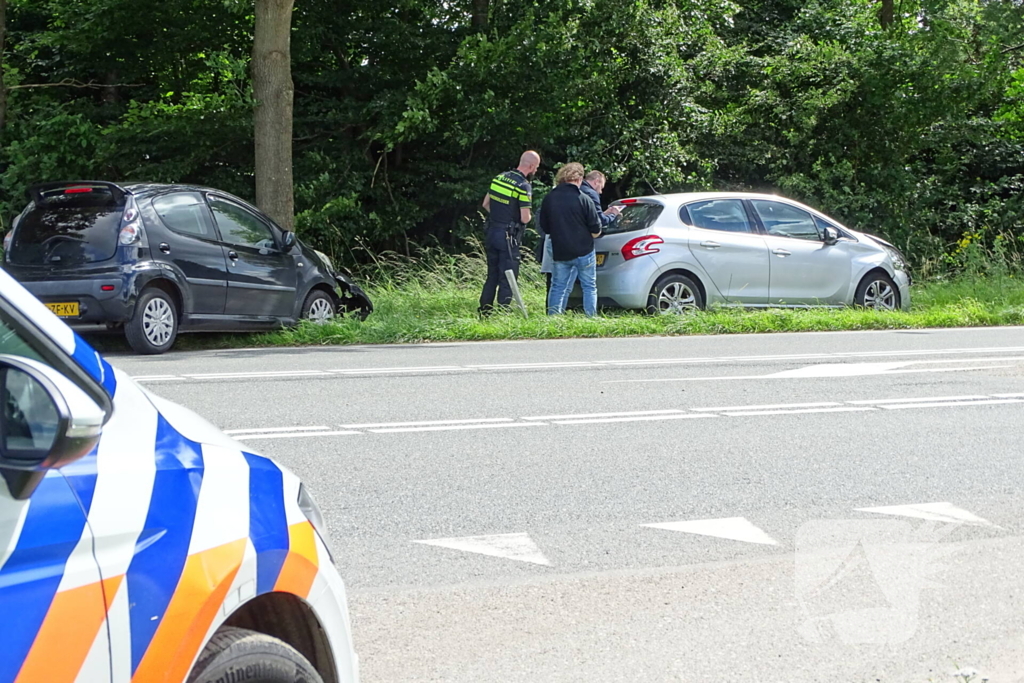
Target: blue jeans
(564, 277)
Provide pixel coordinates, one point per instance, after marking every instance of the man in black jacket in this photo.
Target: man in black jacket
(569, 217)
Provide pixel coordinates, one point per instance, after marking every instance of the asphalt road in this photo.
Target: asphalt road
(655, 509)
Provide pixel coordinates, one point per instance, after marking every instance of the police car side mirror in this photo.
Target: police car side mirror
(46, 421)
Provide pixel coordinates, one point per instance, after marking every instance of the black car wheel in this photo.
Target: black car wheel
(154, 326)
(674, 293)
(318, 307)
(234, 651)
(879, 292)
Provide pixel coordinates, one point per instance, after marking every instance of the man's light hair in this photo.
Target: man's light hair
(570, 173)
(595, 175)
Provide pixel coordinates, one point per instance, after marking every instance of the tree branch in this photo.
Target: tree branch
(1011, 49)
(73, 83)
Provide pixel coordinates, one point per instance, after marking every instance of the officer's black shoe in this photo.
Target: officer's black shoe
(485, 311)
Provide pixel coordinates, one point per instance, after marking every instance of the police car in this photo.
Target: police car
(138, 542)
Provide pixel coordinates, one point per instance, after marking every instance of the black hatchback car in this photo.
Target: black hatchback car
(159, 259)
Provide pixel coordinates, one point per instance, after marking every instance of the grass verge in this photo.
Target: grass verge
(432, 316)
(433, 298)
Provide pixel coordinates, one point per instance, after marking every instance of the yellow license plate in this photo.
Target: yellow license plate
(65, 310)
(600, 259)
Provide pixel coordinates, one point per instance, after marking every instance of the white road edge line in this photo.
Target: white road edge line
(455, 427)
(428, 423)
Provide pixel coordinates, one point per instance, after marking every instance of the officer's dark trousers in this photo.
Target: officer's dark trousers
(501, 256)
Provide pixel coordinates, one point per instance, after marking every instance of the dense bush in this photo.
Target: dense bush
(404, 110)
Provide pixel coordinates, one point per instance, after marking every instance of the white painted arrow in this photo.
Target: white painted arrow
(733, 528)
(510, 546)
(935, 512)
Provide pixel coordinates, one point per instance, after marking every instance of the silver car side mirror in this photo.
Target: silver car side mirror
(46, 421)
(831, 235)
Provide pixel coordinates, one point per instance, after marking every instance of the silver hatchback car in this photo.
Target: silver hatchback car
(671, 253)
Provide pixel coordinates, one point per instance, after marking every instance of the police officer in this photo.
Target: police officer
(508, 203)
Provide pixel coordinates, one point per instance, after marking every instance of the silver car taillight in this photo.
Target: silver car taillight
(641, 246)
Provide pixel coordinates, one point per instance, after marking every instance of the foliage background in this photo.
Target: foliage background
(405, 108)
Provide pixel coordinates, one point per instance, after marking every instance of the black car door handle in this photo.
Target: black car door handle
(164, 247)
(233, 255)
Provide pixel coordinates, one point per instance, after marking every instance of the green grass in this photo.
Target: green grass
(433, 298)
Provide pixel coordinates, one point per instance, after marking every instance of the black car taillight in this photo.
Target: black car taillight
(131, 225)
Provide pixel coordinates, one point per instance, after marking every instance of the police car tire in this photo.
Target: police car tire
(238, 654)
(134, 331)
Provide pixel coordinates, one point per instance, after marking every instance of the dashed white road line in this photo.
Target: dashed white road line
(428, 423)
(631, 413)
(273, 430)
(638, 418)
(767, 407)
(294, 435)
(860, 405)
(922, 399)
(942, 404)
(448, 428)
(752, 413)
(625, 362)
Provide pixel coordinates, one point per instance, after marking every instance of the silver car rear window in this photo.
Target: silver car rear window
(634, 217)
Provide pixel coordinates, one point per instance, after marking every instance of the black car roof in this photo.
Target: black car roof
(140, 189)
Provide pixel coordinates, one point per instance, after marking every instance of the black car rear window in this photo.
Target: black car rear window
(634, 217)
(68, 229)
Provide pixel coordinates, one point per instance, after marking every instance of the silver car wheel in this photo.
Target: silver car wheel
(320, 311)
(676, 298)
(158, 321)
(880, 295)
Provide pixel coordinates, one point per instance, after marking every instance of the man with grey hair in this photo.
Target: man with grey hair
(593, 186)
(509, 203)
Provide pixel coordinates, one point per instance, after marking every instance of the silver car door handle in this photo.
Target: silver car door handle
(710, 245)
(781, 252)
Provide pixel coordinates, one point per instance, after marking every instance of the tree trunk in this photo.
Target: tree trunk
(3, 85)
(480, 9)
(885, 14)
(272, 120)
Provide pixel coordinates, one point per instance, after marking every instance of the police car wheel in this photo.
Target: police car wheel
(238, 654)
(154, 325)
